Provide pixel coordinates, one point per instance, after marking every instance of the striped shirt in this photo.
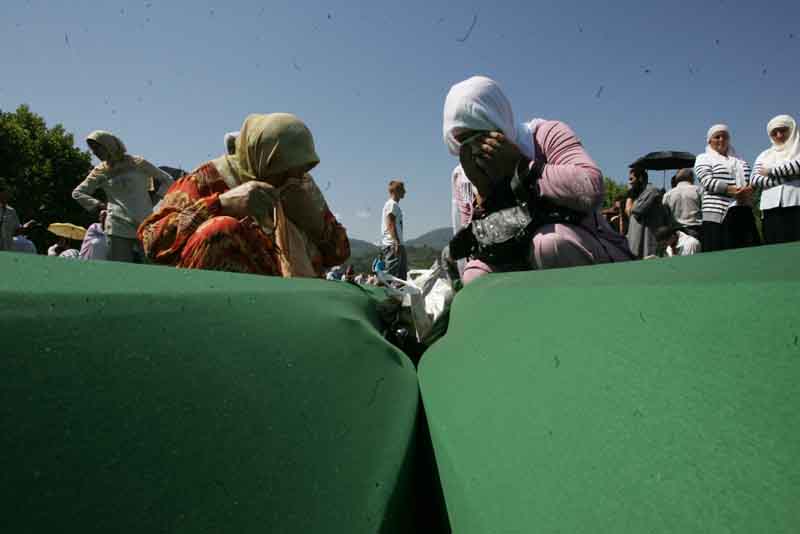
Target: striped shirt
(715, 179)
(781, 188)
(787, 172)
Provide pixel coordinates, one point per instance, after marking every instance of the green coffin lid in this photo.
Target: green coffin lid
(657, 396)
(139, 399)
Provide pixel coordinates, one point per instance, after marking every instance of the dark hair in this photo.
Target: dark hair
(684, 175)
(3, 185)
(230, 145)
(664, 232)
(639, 173)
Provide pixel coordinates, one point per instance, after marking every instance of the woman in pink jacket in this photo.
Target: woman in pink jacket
(480, 129)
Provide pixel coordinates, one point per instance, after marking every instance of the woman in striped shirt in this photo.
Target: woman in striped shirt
(728, 220)
(777, 173)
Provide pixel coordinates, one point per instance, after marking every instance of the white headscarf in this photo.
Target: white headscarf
(788, 151)
(731, 161)
(478, 103)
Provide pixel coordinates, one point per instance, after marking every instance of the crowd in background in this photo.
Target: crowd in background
(717, 214)
(256, 209)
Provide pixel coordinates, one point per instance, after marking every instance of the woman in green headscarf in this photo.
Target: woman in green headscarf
(126, 181)
(257, 211)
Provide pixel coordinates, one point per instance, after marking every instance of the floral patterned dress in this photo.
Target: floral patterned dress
(189, 231)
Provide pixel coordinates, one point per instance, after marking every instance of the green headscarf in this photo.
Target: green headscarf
(271, 144)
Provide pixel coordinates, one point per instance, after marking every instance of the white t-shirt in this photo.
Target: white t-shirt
(393, 207)
(687, 246)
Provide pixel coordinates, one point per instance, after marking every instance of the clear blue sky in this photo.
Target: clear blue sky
(171, 77)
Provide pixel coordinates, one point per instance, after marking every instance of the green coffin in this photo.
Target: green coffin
(137, 399)
(658, 396)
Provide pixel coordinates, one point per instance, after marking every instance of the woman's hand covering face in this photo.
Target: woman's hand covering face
(468, 157)
(499, 156)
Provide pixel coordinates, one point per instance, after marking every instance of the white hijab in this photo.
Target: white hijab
(788, 151)
(478, 103)
(731, 161)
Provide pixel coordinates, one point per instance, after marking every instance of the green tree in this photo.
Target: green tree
(41, 166)
(613, 191)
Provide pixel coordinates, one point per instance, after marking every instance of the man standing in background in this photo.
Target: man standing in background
(685, 203)
(392, 249)
(646, 214)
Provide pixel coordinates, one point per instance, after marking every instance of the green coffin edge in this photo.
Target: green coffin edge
(147, 399)
(657, 396)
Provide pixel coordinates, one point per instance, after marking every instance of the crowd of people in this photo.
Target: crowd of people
(718, 214)
(525, 195)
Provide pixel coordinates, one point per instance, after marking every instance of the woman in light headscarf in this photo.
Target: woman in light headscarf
(728, 220)
(777, 173)
(126, 181)
(479, 128)
(257, 211)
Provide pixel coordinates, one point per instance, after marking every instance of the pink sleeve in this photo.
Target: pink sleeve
(570, 177)
(463, 197)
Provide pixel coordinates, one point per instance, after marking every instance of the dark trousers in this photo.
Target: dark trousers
(396, 262)
(782, 225)
(737, 230)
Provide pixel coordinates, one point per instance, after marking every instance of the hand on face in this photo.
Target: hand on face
(499, 155)
(475, 174)
(251, 199)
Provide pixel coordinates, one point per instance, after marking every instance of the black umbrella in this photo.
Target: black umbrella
(665, 160)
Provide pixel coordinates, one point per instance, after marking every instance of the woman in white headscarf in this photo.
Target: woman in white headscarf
(479, 128)
(777, 173)
(728, 220)
(126, 181)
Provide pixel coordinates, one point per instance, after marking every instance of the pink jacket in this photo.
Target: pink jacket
(570, 178)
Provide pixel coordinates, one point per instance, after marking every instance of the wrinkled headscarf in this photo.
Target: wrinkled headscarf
(118, 158)
(788, 151)
(731, 162)
(479, 103)
(268, 145)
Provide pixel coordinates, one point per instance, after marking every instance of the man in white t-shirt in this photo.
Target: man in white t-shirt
(392, 249)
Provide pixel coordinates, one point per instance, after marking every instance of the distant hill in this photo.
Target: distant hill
(359, 247)
(436, 239)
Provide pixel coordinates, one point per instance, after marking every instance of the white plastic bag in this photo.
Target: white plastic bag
(428, 297)
(437, 302)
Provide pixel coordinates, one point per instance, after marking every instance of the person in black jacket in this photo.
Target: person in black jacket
(645, 212)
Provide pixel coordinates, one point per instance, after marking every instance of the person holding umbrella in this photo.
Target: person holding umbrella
(67, 234)
(645, 213)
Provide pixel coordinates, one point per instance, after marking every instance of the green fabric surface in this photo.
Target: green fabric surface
(148, 399)
(656, 396)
